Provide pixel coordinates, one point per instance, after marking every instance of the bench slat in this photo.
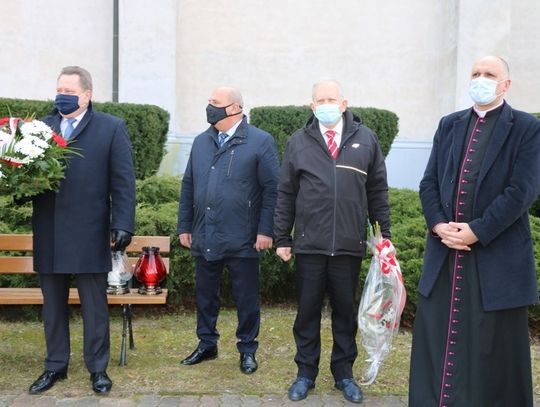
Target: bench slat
(29, 296)
(23, 242)
(24, 264)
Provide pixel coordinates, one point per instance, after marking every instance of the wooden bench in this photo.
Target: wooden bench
(14, 264)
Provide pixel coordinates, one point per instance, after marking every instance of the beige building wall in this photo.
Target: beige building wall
(410, 57)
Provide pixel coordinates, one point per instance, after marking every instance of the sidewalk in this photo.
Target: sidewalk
(228, 400)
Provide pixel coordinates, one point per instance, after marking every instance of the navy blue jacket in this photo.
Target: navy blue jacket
(72, 227)
(508, 183)
(229, 193)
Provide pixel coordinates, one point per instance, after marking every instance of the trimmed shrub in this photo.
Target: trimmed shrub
(147, 125)
(156, 214)
(282, 121)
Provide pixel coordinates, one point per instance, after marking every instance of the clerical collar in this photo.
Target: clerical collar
(483, 113)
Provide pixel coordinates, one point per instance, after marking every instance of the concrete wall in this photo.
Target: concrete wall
(411, 57)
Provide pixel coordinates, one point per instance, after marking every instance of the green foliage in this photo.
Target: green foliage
(534, 311)
(147, 125)
(282, 121)
(158, 189)
(535, 208)
(157, 212)
(43, 155)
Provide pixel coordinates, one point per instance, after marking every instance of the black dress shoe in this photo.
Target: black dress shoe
(101, 383)
(299, 389)
(248, 364)
(351, 390)
(199, 355)
(46, 381)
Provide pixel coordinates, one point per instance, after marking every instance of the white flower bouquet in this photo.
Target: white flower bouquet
(32, 157)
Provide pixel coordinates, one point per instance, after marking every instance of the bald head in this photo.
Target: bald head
(494, 63)
(496, 70)
(230, 101)
(228, 95)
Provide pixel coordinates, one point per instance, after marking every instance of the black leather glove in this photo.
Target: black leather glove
(121, 239)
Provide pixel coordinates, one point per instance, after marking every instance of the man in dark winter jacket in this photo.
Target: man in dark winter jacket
(73, 228)
(226, 208)
(333, 178)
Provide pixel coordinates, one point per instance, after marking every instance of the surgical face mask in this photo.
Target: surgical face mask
(483, 91)
(66, 104)
(214, 114)
(328, 114)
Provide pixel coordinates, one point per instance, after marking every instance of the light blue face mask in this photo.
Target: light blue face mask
(483, 91)
(328, 114)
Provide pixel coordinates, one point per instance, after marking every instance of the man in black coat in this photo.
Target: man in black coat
(471, 340)
(73, 228)
(333, 178)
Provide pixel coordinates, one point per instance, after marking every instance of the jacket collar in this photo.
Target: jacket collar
(498, 138)
(351, 123)
(57, 119)
(238, 137)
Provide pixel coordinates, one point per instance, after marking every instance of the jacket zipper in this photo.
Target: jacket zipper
(230, 164)
(334, 211)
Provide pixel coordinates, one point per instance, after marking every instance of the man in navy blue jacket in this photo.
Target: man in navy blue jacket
(470, 340)
(226, 218)
(73, 228)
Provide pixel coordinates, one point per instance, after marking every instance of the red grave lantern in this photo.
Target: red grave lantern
(150, 271)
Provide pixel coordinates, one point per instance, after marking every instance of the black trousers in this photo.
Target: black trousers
(244, 275)
(92, 289)
(316, 276)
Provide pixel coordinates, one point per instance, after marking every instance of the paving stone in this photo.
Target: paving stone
(170, 401)
(148, 401)
(116, 402)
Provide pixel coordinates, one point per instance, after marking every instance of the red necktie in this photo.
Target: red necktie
(331, 143)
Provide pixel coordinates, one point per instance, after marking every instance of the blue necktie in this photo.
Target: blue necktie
(221, 138)
(69, 128)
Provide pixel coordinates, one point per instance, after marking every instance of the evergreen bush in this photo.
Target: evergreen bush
(156, 214)
(282, 121)
(147, 126)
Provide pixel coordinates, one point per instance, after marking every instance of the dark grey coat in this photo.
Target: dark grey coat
(72, 227)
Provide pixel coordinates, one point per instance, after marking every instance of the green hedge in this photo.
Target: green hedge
(157, 215)
(147, 125)
(282, 121)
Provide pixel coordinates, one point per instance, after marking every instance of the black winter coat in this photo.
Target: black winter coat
(72, 227)
(329, 201)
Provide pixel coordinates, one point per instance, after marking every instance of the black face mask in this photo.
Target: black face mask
(214, 114)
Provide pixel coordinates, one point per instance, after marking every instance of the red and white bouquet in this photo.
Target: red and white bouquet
(32, 157)
(382, 303)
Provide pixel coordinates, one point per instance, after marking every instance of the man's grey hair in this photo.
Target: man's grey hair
(85, 78)
(326, 81)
